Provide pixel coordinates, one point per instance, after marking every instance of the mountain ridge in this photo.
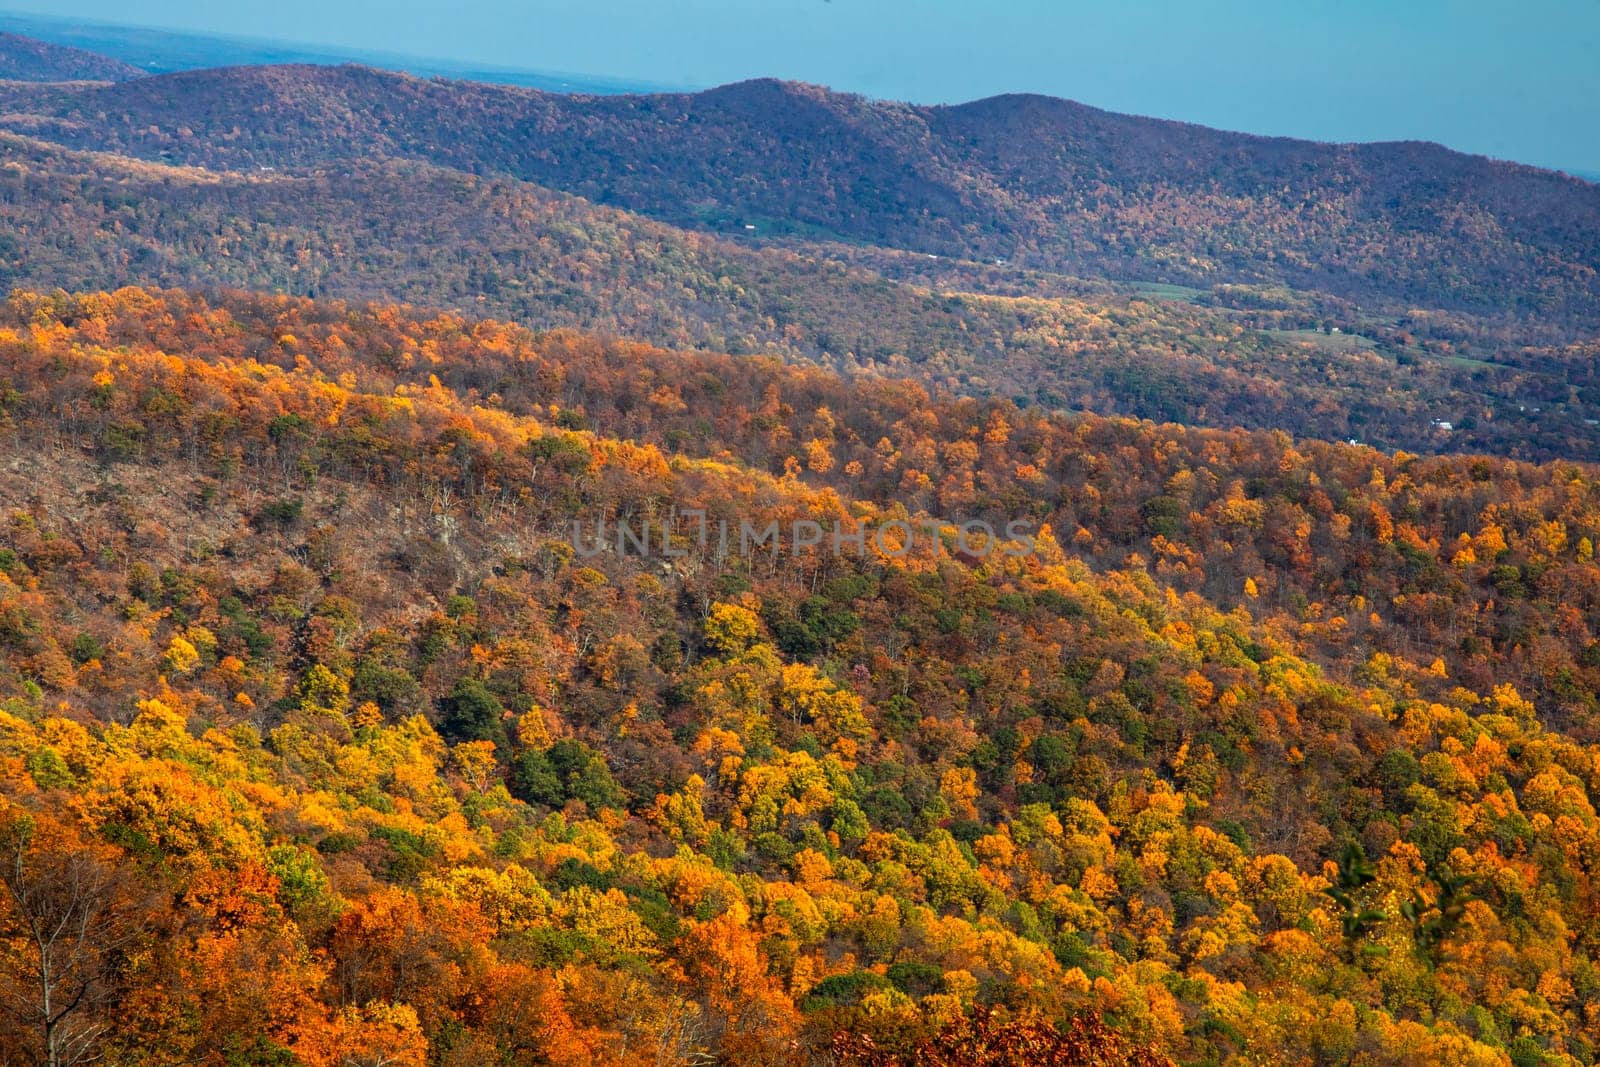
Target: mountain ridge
(1041, 182)
(29, 59)
(395, 229)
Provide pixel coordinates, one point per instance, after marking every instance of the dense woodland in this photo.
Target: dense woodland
(328, 747)
(1230, 355)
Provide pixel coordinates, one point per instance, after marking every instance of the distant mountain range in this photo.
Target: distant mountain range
(1036, 181)
(30, 60)
(155, 51)
(1400, 294)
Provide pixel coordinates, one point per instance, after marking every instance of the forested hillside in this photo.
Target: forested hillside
(1248, 356)
(337, 749)
(28, 60)
(1037, 181)
(771, 577)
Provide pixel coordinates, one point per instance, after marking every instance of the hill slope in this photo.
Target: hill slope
(409, 231)
(1034, 180)
(27, 59)
(305, 683)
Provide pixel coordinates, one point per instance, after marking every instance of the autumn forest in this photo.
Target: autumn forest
(324, 742)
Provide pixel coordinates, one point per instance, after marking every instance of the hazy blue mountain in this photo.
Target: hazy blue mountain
(32, 60)
(156, 51)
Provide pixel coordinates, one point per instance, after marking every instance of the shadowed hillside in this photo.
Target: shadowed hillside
(398, 230)
(1033, 180)
(29, 60)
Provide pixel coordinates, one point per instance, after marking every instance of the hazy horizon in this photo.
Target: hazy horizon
(1474, 77)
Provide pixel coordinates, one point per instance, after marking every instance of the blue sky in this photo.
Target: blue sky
(1516, 81)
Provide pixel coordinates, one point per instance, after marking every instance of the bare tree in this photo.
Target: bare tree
(67, 914)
